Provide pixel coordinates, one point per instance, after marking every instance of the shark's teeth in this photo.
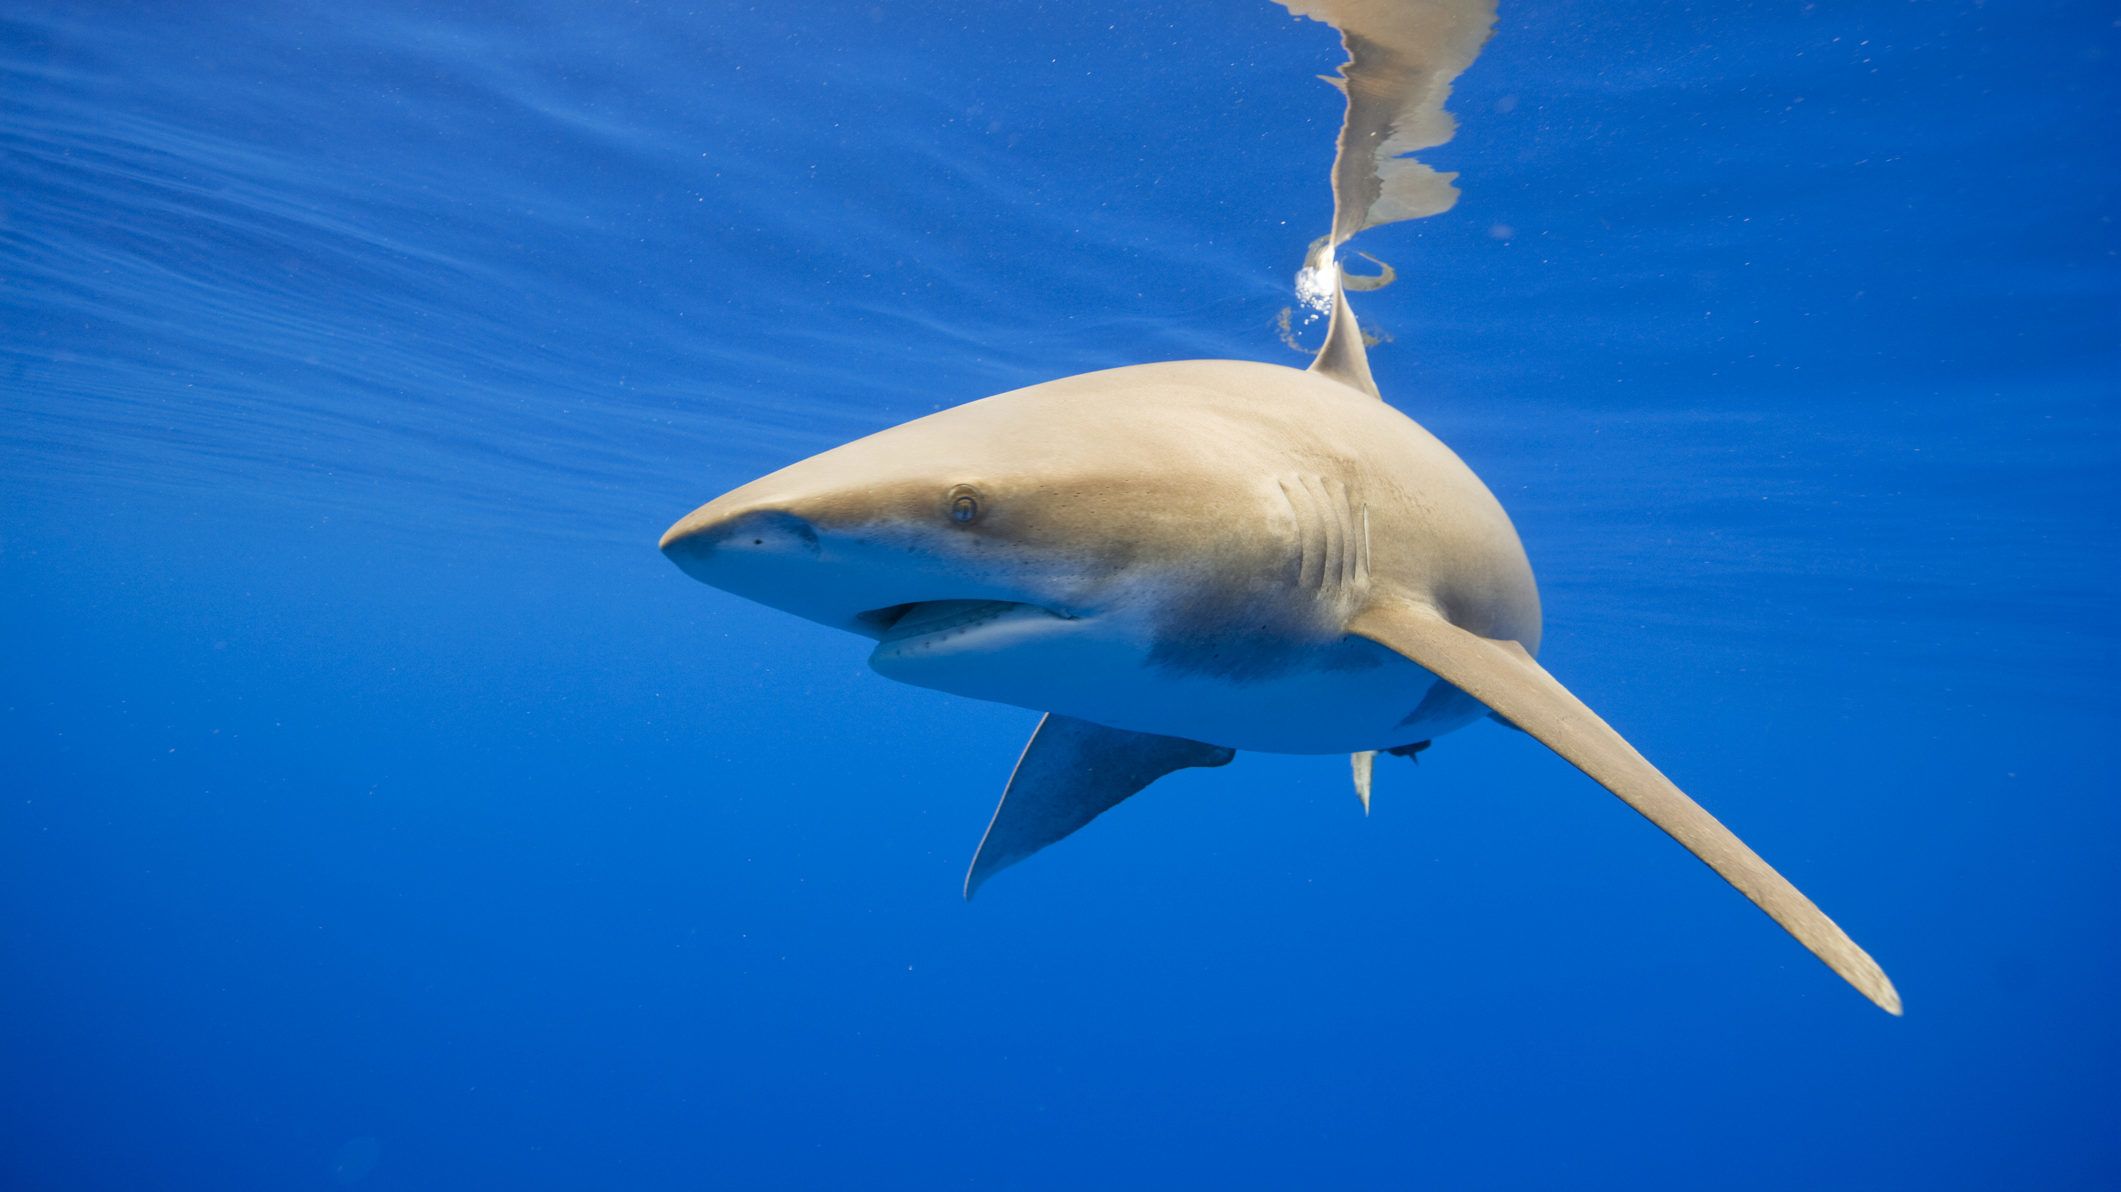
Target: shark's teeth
(945, 618)
(931, 623)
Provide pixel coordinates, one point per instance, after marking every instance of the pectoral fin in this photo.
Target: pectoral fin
(1071, 772)
(1503, 676)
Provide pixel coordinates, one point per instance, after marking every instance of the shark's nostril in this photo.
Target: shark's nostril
(778, 529)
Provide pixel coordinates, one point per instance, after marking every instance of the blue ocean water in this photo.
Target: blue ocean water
(380, 809)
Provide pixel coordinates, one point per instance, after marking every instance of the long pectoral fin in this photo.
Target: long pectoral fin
(1503, 676)
(1071, 772)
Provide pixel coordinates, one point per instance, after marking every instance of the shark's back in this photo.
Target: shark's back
(1370, 484)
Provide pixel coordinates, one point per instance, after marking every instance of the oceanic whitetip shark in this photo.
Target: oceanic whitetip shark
(1177, 561)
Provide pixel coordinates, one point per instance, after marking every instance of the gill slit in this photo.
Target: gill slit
(1364, 573)
(1332, 532)
(1344, 514)
(1305, 548)
(1336, 535)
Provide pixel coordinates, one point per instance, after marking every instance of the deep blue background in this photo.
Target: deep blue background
(380, 808)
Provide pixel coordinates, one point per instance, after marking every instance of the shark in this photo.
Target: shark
(1178, 561)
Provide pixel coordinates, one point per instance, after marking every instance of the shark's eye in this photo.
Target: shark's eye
(964, 505)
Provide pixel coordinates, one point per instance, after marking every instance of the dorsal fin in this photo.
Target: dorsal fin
(1342, 357)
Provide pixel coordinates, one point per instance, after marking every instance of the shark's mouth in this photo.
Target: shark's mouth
(928, 624)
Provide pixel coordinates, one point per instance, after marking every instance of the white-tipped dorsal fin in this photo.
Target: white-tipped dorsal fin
(1503, 676)
(1071, 772)
(1342, 357)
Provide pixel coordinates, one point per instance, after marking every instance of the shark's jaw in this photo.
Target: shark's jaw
(928, 623)
(931, 632)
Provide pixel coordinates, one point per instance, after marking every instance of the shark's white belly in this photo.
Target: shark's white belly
(1311, 710)
(1339, 697)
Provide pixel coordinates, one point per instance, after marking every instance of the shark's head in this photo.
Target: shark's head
(1064, 526)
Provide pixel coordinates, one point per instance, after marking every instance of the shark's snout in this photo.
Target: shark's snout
(714, 543)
